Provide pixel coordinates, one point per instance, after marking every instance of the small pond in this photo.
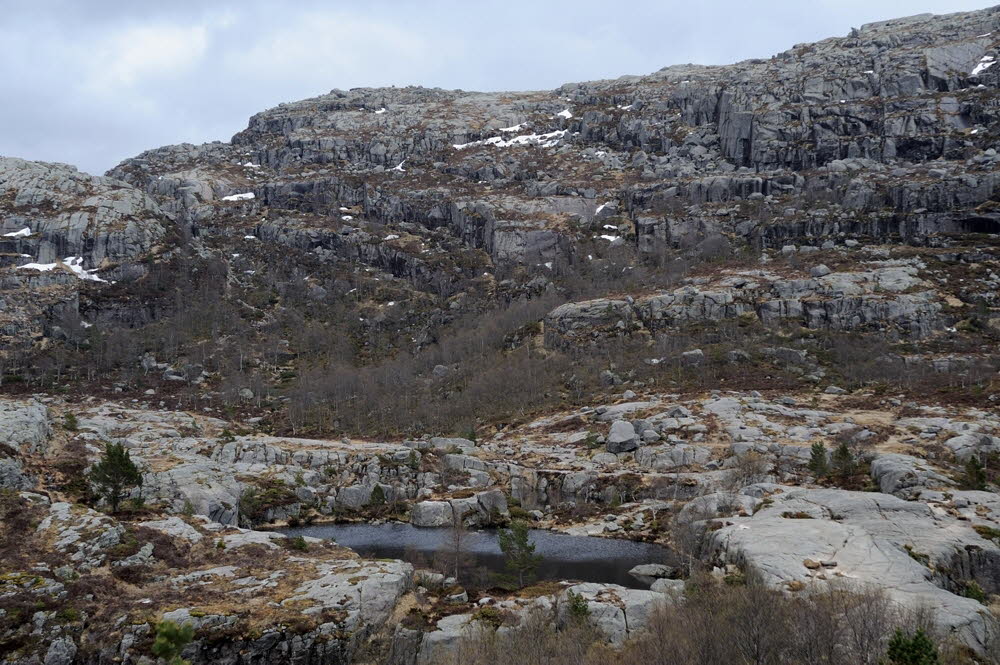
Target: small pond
(564, 557)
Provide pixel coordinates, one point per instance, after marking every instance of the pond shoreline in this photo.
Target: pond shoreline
(564, 556)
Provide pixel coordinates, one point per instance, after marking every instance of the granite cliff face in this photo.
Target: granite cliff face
(605, 307)
(883, 137)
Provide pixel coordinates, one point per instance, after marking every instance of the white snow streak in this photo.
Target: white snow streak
(73, 263)
(543, 140)
(247, 196)
(984, 64)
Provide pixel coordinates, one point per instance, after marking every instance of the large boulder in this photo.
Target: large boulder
(905, 476)
(615, 611)
(24, 426)
(431, 514)
(622, 437)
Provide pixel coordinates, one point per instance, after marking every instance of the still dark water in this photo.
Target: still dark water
(564, 557)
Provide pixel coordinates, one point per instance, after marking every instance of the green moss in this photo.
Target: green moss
(68, 615)
(519, 513)
(918, 556)
(489, 615)
(974, 591)
(987, 532)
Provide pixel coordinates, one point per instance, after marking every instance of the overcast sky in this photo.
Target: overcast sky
(92, 82)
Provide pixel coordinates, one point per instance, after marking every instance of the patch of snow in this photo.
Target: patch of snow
(249, 237)
(246, 196)
(73, 263)
(548, 264)
(343, 209)
(390, 303)
(251, 165)
(975, 131)
(609, 238)
(986, 35)
(399, 167)
(543, 140)
(40, 267)
(600, 208)
(346, 218)
(625, 108)
(513, 128)
(391, 236)
(984, 64)
(564, 114)
(869, 71)
(380, 111)
(85, 324)
(23, 233)
(610, 227)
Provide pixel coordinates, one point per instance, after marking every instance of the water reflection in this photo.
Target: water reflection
(564, 557)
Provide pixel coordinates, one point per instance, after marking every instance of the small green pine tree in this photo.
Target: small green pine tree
(818, 462)
(377, 497)
(519, 551)
(171, 640)
(918, 649)
(843, 462)
(115, 475)
(975, 474)
(579, 608)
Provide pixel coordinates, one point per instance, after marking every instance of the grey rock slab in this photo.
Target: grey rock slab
(905, 475)
(871, 537)
(25, 425)
(615, 611)
(175, 527)
(431, 514)
(61, 651)
(622, 437)
(651, 570)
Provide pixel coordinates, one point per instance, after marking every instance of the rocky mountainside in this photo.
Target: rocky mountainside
(618, 308)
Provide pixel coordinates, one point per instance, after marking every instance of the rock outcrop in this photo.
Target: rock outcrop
(918, 553)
